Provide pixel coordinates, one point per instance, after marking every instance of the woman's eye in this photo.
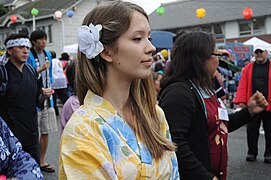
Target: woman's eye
(137, 39)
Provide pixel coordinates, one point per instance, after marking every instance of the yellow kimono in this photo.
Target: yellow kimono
(98, 144)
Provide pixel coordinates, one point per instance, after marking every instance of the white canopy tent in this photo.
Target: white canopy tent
(258, 42)
(71, 49)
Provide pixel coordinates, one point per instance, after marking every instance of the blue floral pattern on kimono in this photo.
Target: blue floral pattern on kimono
(14, 162)
(98, 144)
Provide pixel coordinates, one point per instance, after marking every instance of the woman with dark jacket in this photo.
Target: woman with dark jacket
(199, 124)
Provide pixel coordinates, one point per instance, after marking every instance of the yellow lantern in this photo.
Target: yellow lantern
(201, 12)
(164, 53)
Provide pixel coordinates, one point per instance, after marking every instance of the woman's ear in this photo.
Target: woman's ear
(106, 54)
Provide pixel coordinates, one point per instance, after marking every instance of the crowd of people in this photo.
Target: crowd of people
(127, 114)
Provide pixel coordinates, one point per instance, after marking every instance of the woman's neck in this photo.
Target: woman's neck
(117, 93)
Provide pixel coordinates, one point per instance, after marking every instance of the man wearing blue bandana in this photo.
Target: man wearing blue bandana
(18, 104)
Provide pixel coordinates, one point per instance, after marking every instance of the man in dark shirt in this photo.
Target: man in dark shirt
(18, 105)
(256, 76)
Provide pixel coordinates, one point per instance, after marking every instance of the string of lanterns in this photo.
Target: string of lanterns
(201, 12)
(247, 13)
(13, 18)
(35, 12)
(160, 11)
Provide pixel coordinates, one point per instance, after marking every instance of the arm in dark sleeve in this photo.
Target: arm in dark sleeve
(238, 119)
(39, 97)
(179, 107)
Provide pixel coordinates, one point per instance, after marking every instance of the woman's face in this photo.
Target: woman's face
(212, 62)
(133, 58)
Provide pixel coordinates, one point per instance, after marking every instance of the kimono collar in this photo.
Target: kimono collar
(102, 106)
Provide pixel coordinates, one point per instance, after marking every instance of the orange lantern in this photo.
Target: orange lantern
(201, 12)
(247, 13)
(13, 18)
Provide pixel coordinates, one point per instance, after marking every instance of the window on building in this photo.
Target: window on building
(245, 28)
(206, 28)
(252, 27)
(50, 37)
(259, 26)
(197, 28)
(48, 31)
(218, 30)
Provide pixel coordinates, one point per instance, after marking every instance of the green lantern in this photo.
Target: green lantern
(160, 11)
(34, 12)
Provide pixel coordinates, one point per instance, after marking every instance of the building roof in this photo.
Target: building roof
(46, 8)
(6, 2)
(183, 13)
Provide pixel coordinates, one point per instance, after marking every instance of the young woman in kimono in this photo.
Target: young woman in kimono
(118, 132)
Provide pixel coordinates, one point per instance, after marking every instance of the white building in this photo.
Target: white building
(224, 18)
(60, 33)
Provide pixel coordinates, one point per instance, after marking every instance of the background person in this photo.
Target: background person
(72, 104)
(59, 82)
(199, 124)
(118, 118)
(41, 60)
(256, 76)
(18, 103)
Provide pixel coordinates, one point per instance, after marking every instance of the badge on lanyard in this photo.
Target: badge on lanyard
(223, 114)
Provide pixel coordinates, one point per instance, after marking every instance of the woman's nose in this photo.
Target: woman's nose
(150, 47)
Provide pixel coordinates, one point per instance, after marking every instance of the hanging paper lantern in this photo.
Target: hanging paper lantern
(164, 53)
(201, 12)
(247, 13)
(13, 18)
(160, 11)
(58, 14)
(34, 12)
(70, 13)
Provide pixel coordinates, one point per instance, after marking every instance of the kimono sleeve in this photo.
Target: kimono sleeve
(84, 153)
(14, 162)
(166, 133)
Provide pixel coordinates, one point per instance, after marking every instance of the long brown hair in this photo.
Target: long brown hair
(191, 50)
(115, 18)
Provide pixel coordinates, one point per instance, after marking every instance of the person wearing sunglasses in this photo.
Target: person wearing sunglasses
(256, 76)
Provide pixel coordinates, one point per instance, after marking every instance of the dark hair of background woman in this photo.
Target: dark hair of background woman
(190, 52)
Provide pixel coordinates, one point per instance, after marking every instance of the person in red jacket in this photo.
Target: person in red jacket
(256, 76)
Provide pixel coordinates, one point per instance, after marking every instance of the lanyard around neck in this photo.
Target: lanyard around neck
(202, 99)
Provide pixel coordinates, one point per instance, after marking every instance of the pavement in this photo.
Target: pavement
(238, 169)
(52, 154)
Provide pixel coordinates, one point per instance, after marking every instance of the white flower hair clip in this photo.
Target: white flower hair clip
(88, 40)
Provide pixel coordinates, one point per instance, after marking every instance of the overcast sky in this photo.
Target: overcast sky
(149, 5)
